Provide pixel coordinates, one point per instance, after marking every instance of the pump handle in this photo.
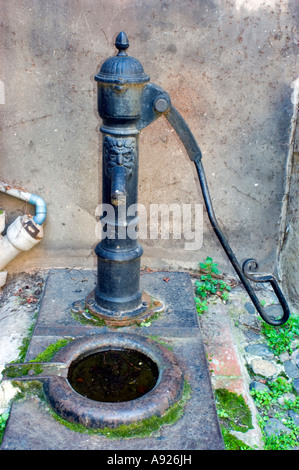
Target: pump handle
(195, 155)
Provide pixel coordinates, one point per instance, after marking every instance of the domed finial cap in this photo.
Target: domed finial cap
(121, 68)
(122, 43)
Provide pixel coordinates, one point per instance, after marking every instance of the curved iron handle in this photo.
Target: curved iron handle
(194, 152)
(251, 265)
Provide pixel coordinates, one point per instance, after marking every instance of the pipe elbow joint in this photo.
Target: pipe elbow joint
(40, 208)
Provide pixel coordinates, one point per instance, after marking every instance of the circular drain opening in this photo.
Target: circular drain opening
(157, 395)
(114, 375)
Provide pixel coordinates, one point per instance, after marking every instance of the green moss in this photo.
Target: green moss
(140, 429)
(86, 317)
(233, 412)
(234, 415)
(28, 388)
(160, 341)
(25, 345)
(3, 418)
(283, 441)
(14, 372)
(232, 442)
(93, 320)
(30, 368)
(35, 369)
(51, 350)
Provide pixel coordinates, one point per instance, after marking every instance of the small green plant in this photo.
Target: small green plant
(208, 286)
(282, 441)
(210, 266)
(3, 419)
(222, 414)
(269, 405)
(201, 305)
(263, 399)
(267, 398)
(291, 404)
(279, 338)
(279, 387)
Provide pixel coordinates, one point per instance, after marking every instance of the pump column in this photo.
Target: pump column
(118, 282)
(121, 81)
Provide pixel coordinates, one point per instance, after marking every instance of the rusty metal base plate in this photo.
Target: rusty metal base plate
(149, 307)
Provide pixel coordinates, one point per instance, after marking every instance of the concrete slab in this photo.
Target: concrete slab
(32, 427)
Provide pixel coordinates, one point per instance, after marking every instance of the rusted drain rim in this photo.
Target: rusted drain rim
(76, 408)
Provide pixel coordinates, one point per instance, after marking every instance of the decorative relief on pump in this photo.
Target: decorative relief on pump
(119, 151)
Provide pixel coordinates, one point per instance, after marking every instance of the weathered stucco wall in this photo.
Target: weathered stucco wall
(227, 66)
(288, 248)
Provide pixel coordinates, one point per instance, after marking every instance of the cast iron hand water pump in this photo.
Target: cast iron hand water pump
(127, 103)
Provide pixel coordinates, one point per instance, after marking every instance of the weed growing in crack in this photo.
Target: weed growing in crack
(3, 418)
(209, 285)
(272, 403)
(279, 338)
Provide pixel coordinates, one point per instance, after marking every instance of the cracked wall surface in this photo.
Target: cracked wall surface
(228, 67)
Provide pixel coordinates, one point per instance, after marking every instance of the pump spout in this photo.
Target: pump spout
(118, 185)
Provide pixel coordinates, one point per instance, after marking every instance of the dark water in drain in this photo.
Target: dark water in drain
(113, 375)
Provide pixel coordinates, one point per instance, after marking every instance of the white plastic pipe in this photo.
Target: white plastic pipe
(24, 233)
(37, 201)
